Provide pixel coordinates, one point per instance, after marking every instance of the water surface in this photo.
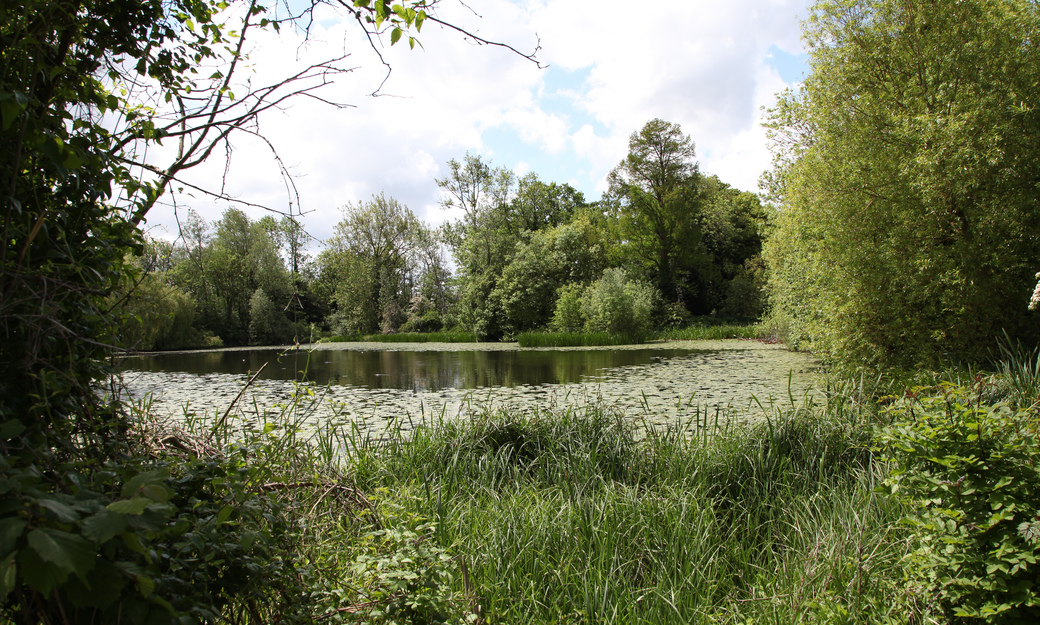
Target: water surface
(377, 383)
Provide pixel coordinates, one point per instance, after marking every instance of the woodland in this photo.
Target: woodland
(897, 239)
(665, 243)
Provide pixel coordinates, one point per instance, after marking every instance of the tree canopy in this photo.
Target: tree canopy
(908, 163)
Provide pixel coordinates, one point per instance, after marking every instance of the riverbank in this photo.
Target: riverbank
(817, 514)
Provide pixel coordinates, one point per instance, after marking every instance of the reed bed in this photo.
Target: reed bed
(703, 332)
(586, 515)
(578, 339)
(450, 336)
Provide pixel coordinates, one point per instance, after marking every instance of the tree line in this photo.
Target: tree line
(664, 243)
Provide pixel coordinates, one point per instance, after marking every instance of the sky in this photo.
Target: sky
(608, 68)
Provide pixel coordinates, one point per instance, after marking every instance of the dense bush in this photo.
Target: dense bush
(617, 304)
(969, 469)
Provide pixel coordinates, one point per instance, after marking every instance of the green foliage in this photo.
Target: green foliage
(714, 331)
(267, 324)
(657, 186)
(525, 294)
(165, 543)
(405, 578)
(619, 305)
(584, 515)
(508, 270)
(451, 336)
(568, 316)
(970, 470)
(379, 260)
(905, 230)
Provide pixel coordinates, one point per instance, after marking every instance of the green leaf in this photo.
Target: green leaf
(11, 429)
(137, 505)
(41, 576)
(64, 512)
(395, 35)
(10, 531)
(148, 478)
(69, 552)
(8, 574)
(104, 525)
(11, 106)
(145, 585)
(224, 513)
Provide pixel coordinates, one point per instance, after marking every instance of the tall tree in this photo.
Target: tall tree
(908, 167)
(657, 186)
(376, 261)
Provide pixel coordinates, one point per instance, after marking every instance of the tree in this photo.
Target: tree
(500, 216)
(657, 186)
(525, 294)
(376, 261)
(732, 224)
(907, 166)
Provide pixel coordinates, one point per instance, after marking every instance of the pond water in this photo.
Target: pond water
(373, 384)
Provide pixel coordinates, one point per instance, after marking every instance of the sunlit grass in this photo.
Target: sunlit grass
(452, 336)
(577, 339)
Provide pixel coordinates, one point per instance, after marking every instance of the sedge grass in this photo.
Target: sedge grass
(586, 515)
(450, 336)
(578, 339)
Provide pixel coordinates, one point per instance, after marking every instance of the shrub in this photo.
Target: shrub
(568, 316)
(970, 470)
(619, 305)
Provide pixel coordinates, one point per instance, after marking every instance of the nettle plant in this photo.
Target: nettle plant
(970, 468)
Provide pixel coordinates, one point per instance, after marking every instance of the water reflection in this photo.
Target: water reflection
(418, 371)
(375, 384)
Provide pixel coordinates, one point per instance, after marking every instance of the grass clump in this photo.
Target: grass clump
(586, 516)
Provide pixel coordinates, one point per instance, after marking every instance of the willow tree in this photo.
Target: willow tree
(907, 169)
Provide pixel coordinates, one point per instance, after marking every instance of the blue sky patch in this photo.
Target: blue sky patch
(791, 67)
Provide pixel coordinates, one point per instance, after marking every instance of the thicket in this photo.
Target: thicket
(905, 229)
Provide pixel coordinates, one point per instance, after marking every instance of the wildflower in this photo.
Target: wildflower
(1034, 302)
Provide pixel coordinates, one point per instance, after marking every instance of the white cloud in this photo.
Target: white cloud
(699, 63)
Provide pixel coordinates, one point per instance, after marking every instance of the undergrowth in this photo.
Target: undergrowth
(871, 504)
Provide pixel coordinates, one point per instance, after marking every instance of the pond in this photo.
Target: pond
(373, 384)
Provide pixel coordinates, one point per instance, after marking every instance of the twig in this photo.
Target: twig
(219, 424)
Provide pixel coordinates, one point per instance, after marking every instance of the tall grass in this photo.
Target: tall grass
(715, 332)
(578, 339)
(449, 336)
(587, 515)
(571, 517)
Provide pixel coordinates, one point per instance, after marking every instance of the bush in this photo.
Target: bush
(568, 316)
(970, 469)
(619, 305)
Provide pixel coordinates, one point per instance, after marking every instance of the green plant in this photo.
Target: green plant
(970, 470)
(402, 577)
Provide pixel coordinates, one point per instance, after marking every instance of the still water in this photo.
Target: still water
(376, 383)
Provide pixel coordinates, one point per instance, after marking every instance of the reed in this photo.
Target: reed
(450, 336)
(700, 332)
(584, 514)
(578, 339)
